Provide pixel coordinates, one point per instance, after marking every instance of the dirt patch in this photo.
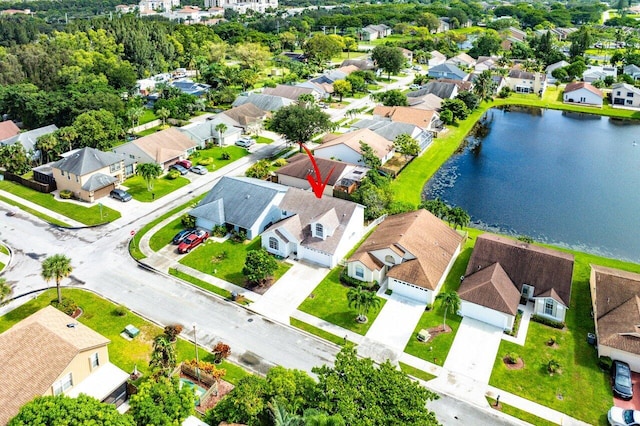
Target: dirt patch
(519, 365)
(435, 331)
(223, 389)
(553, 345)
(260, 288)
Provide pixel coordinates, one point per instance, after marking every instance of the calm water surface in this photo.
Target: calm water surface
(566, 179)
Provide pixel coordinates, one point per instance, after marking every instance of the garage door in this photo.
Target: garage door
(484, 314)
(405, 290)
(321, 258)
(103, 192)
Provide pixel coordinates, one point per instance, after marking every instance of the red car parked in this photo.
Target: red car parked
(192, 241)
(184, 163)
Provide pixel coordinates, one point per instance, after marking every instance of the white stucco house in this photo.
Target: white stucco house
(411, 253)
(346, 147)
(582, 93)
(502, 272)
(623, 94)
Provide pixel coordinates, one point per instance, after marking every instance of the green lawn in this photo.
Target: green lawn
(330, 303)
(150, 131)
(317, 331)
(520, 414)
(235, 152)
(226, 260)
(148, 116)
(415, 372)
(4, 249)
(85, 215)
(162, 186)
(165, 235)
(36, 213)
(100, 316)
(1, 266)
(262, 139)
(199, 283)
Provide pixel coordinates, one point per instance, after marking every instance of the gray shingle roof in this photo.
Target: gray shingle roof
(243, 200)
(28, 139)
(204, 131)
(264, 102)
(386, 128)
(98, 181)
(86, 160)
(448, 69)
(440, 89)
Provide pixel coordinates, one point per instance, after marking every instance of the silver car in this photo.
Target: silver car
(200, 170)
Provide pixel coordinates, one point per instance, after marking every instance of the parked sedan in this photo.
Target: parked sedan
(245, 142)
(179, 168)
(622, 417)
(184, 163)
(120, 194)
(180, 236)
(201, 170)
(622, 385)
(192, 241)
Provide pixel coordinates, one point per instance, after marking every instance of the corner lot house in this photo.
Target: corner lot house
(41, 355)
(502, 271)
(615, 299)
(346, 147)
(623, 94)
(412, 251)
(582, 93)
(88, 173)
(315, 230)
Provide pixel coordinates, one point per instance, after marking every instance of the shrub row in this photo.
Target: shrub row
(547, 321)
(354, 282)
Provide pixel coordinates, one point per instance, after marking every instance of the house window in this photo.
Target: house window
(390, 259)
(629, 102)
(94, 360)
(273, 243)
(359, 271)
(319, 230)
(527, 291)
(548, 307)
(114, 167)
(618, 93)
(63, 384)
(629, 94)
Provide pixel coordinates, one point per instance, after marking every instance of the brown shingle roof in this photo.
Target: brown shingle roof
(418, 117)
(615, 296)
(287, 91)
(540, 267)
(35, 352)
(300, 167)
(8, 129)
(491, 287)
(426, 243)
(246, 113)
(571, 87)
(380, 145)
(165, 145)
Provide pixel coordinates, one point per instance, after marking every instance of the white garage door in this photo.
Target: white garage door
(485, 314)
(405, 290)
(316, 257)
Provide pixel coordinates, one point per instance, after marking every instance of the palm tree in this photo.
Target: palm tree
(149, 172)
(281, 417)
(163, 113)
(5, 291)
(448, 300)
(458, 217)
(484, 85)
(135, 114)
(47, 144)
(362, 300)
(56, 268)
(220, 128)
(163, 357)
(67, 135)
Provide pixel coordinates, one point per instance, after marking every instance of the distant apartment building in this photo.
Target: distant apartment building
(241, 7)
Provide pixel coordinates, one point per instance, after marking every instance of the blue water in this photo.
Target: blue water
(561, 178)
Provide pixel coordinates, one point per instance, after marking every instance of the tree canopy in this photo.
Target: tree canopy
(299, 123)
(388, 58)
(258, 266)
(161, 401)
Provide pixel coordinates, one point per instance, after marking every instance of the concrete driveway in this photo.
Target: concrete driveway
(396, 321)
(284, 297)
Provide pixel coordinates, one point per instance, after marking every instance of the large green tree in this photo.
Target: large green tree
(149, 172)
(56, 267)
(320, 48)
(97, 129)
(388, 58)
(369, 156)
(341, 88)
(258, 266)
(162, 402)
(299, 123)
(63, 410)
(406, 145)
(392, 98)
(487, 44)
(163, 356)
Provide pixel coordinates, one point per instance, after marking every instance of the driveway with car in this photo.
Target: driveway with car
(633, 403)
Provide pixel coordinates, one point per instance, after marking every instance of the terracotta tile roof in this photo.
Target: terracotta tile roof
(165, 145)
(8, 129)
(615, 296)
(540, 267)
(418, 117)
(380, 145)
(427, 244)
(571, 87)
(492, 288)
(35, 352)
(300, 167)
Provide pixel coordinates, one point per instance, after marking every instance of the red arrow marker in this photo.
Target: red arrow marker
(318, 185)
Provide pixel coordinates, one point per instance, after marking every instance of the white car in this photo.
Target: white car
(245, 142)
(623, 417)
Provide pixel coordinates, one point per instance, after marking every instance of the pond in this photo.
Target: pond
(567, 179)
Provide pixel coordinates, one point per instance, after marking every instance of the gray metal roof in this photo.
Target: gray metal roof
(98, 181)
(86, 160)
(243, 199)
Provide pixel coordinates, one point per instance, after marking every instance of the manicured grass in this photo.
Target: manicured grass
(330, 303)
(148, 116)
(137, 187)
(36, 213)
(99, 315)
(231, 255)
(199, 283)
(1, 266)
(415, 372)
(165, 235)
(520, 414)
(262, 139)
(316, 331)
(85, 215)
(235, 152)
(4, 249)
(150, 131)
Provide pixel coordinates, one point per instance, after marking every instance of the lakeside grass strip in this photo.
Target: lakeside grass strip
(316, 331)
(415, 372)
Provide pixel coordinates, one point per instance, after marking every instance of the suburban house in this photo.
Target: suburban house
(436, 58)
(8, 131)
(521, 81)
(263, 102)
(374, 32)
(597, 72)
(157, 5)
(164, 147)
(485, 63)
(428, 101)
(205, 132)
(390, 130)
(88, 173)
(50, 353)
(321, 90)
(623, 94)
(346, 147)
(582, 93)
(632, 70)
(512, 35)
(247, 116)
(27, 139)
(290, 92)
(441, 89)
(443, 25)
(413, 252)
(361, 64)
(295, 173)
(447, 70)
(241, 204)
(462, 60)
(319, 230)
(615, 303)
(498, 81)
(502, 272)
(426, 119)
(408, 54)
(552, 67)
(189, 87)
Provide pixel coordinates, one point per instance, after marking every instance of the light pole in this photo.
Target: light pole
(195, 342)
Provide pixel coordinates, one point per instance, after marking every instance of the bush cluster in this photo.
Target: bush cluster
(65, 194)
(68, 306)
(547, 321)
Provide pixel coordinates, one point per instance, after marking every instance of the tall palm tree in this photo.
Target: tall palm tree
(163, 113)
(56, 268)
(362, 300)
(281, 417)
(458, 217)
(135, 114)
(5, 291)
(448, 300)
(220, 128)
(484, 86)
(47, 144)
(68, 135)
(163, 357)
(149, 172)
